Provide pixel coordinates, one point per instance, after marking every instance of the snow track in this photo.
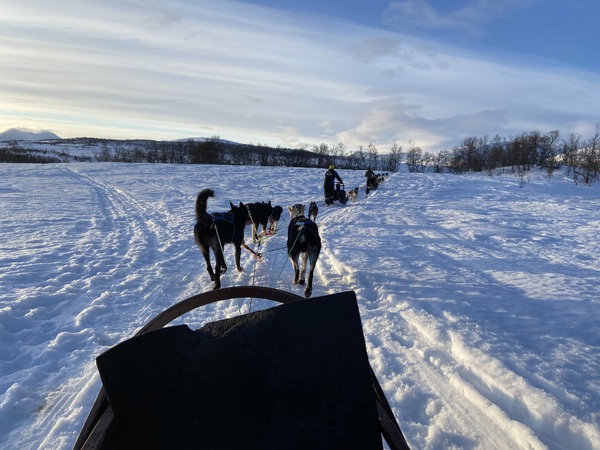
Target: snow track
(456, 384)
(478, 297)
(119, 254)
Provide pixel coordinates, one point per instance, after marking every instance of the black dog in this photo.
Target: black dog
(216, 230)
(371, 186)
(274, 219)
(313, 211)
(258, 215)
(303, 237)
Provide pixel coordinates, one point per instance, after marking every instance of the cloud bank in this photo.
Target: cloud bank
(165, 70)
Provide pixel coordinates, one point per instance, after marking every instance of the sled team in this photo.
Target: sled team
(213, 230)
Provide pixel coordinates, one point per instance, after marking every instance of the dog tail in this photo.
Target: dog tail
(201, 201)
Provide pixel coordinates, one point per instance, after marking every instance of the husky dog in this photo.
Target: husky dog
(258, 215)
(353, 194)
(313, 211)
(274, 219)
(296, 210)
(303, 238)
(213, 230)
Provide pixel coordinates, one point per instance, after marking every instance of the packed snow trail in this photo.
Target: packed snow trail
(427, 253)
(478, 297)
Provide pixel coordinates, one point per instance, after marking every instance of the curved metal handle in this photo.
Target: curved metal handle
(101, 403)
(191, 303)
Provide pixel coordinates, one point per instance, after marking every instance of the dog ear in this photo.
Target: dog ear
(242, 205)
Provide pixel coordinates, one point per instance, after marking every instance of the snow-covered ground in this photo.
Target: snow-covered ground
(479, 298)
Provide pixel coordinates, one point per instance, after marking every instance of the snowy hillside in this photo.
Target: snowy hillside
(479, 299)
(15, 134)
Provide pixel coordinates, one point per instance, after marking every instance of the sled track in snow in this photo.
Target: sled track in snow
(129, 237)
(448, 368)
(135, 256)
(416, 353)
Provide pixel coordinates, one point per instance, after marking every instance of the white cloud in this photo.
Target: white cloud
(469, 17)
(175, 69)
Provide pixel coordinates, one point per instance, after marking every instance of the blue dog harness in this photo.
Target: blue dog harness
(222, 217)
(303, 222)
(226, 217)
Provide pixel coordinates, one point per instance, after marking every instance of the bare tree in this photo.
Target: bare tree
(440, 161)
(569, 149)
(498, 155)
(360, 158)
(393, 159)
(547, 151)
(588, 161)
(413, 157)
(373, 156)
(104, 154)
(323, 155)
(339, 152)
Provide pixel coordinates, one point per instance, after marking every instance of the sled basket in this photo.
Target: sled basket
(341, 196)
(293, 376)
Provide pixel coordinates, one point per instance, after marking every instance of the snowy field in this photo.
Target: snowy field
(479, 299)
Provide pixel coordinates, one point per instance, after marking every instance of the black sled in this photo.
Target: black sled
(295, 376)
(339, 194)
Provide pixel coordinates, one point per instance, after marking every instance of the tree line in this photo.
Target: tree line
(17, 155)
(517, 154)
(217, 151)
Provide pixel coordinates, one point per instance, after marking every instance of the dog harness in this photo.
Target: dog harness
(303, 222)
(223, 217)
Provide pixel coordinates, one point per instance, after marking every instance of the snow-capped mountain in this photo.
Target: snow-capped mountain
(15, 134)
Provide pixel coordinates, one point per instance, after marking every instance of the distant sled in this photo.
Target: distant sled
(295, 376)
(338, 195)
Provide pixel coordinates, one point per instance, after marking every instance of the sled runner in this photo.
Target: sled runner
(293, 376)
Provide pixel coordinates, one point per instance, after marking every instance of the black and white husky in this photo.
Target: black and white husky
(303, 239)
(258, 217)
(214, 230)
(274, 219)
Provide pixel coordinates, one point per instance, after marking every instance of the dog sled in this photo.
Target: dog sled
(372, 185)
(294, 376)
(338, 194)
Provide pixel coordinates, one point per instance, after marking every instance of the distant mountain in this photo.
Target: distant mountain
(15, 134)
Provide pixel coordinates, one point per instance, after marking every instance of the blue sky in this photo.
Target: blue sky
(292, 74)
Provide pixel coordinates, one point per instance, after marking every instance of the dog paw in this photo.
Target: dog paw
(301, 282)
(307, 293)
(217, 286)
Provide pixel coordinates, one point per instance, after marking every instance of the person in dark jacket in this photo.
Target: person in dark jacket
(371, 180)
(340, 194)
(328, 185)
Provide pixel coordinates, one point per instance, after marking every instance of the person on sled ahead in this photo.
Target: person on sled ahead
(340, 194)
(371, 180)
(328, 185)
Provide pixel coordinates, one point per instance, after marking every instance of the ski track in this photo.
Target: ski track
(83, 285)
(434, 259)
